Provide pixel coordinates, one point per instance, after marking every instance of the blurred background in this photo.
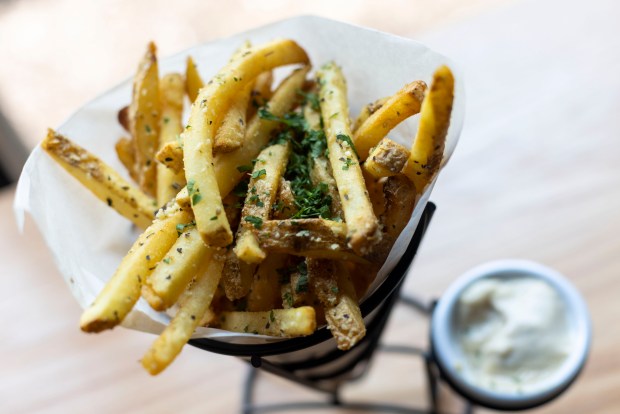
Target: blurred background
(536, 175)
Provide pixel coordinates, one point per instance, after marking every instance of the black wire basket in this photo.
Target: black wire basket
(314, 361)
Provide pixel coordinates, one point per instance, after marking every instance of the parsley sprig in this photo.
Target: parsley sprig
(307, 144)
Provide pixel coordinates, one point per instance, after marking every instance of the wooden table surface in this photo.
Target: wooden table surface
(536, 176)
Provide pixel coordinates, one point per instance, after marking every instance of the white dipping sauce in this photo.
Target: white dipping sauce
(514, 334)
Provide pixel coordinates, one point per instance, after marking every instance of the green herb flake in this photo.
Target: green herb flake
(310, 98)
(196, 198)
(347, 163)
(166, 260)
(272, 316)
(256, 221)
(289, 299)
(259, 174)
(347, 139)
(244, 168)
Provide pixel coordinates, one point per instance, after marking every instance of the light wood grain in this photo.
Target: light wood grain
(535, 176)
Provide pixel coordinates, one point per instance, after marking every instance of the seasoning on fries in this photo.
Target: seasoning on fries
(275, 212)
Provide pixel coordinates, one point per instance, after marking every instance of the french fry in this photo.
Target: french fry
(259, 133)
(144, 119)
(101, 179)
(285, 207)
(306, 237)
(386, 159)
(286, 323)
(427, 150)
(375, 192)
(171, 91)
(362, 225)
(257, 136)
(268, 169)
(366, 111)
(125, 152)
(321, 173)
(321, 169)
(172, 275)
(193, 81)
(206, 114)
(237, 277)
(191, 311)
(122, 291)
(343, 315)
(396, 109)
(400, 197)
(263, 295)
(261, 92)
(230, 133)
(171, 155)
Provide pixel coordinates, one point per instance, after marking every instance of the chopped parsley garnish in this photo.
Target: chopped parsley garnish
(244, 168)
(256, 221)
(310, 98)
(194, 192)
(347, 139)
(307, 144)
(259, 174)
(347, 163)
(302, 280)
(181, 227)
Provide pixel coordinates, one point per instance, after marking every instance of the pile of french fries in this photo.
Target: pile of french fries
(269, 212)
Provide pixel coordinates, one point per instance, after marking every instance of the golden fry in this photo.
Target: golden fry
(314, 237)
(191, 311)
(362, 225)
(237, 277)
(259, 133)
(122, 291)
(285, 207)
(144, 119)
(206, 114)
(277, 322)
(386, 159)
(171, 90)
(101, 179)
(366, 111)
(171, 276)
(396, 109)
(430, 141)
(261, 92)
(268, 169)
(171, 155)
(193, 81)
(125, 152)
(264, 295)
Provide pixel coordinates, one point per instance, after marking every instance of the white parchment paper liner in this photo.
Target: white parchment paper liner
(88, 239)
